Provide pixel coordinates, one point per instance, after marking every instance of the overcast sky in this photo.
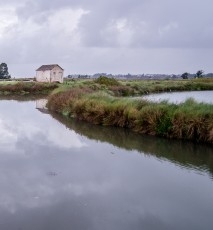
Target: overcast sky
(112, 36)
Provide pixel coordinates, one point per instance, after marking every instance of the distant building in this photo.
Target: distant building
(49, 73)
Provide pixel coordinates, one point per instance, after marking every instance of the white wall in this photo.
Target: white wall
(56, 74)
(43, 76)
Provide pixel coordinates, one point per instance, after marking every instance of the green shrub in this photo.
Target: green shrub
(122, 90)
(107, 81)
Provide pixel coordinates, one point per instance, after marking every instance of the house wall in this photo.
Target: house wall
(43, 76)
(56, 75)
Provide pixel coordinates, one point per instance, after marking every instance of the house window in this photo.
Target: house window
(54, 73)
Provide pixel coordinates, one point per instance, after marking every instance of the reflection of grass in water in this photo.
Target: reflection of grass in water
(186, 154)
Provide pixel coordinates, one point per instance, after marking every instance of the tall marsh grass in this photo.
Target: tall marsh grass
(189, 120)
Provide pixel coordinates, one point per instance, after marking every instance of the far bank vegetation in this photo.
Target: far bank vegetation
(26, 88)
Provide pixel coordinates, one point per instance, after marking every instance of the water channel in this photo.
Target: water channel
(63, 174)
(179, 97)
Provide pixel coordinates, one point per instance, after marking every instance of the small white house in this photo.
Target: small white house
(49, 73)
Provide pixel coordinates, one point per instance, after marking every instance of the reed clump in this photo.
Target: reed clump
(155, 119)
(64, 101)
(193, 120)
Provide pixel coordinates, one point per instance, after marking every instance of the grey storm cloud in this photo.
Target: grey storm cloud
(154, 23)
(150, 24)
(68, 31)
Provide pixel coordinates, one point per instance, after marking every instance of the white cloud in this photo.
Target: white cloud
(64, 138)
(12, 131)
(57, 26)
(120, 32)
(8, 19)
(8, 137)
(164, 30)
(65, 20)
(54, 135)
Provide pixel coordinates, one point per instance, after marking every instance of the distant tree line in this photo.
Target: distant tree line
(199, 74)
(4, 74)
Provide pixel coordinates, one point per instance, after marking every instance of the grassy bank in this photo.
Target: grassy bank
(25, 88)
(138, 87)
(158, 86)
(189, 120)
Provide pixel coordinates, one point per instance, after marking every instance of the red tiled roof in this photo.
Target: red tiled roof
(47, 67)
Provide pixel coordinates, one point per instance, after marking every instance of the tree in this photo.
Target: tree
(185, 75)
(199, 74)
(4, 74)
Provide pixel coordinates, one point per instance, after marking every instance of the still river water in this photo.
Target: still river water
(179, 97)
(57, 174)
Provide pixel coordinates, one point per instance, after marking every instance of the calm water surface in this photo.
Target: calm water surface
(57, 174)
(178, 97)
